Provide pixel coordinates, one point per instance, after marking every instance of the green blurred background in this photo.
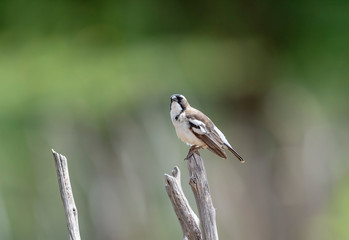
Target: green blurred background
(92, 79)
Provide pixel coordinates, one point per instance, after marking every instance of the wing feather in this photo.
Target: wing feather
(204, 129)
(209, 136)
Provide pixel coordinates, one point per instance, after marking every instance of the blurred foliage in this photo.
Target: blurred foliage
(93, 80)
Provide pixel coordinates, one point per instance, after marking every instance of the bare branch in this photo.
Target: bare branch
(71, 212)
(199, 185)
(186, 216)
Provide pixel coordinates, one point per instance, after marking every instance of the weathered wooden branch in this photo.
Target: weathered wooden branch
(199, 185)
(71, 212)
(186, 216)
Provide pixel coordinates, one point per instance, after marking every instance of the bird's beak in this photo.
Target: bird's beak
(173, 99)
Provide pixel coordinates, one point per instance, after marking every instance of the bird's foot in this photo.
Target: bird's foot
(192, 150)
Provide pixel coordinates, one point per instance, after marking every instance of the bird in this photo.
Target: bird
(197, 130)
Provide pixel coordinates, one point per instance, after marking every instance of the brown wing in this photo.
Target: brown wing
(212, 144)
(203, 128)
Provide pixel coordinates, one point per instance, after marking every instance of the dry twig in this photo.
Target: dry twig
(186, 216)
(71, 212)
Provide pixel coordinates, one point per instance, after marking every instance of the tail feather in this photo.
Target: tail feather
(236, 154)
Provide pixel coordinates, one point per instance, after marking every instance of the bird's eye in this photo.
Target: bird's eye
(179, 98)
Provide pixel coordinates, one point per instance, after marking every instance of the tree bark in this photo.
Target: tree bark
(71, 212)
(186, 216)
(199, 185)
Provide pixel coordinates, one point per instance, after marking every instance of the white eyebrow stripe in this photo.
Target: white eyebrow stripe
(221, 135)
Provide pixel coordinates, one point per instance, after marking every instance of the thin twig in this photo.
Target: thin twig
(71, 212)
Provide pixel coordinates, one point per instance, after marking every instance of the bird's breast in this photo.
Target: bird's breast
(184, 132)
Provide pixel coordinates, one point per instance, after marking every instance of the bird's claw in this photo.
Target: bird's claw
(192, 150)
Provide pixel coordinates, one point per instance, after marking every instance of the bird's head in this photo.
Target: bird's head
(178, 103)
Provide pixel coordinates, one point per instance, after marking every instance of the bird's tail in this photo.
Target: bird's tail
(236, 154)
